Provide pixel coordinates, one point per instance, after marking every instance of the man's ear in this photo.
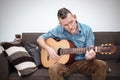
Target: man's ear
(75, 16)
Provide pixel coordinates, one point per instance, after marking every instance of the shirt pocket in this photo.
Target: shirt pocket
(80, 41)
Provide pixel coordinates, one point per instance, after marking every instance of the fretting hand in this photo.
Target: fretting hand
(90, 55)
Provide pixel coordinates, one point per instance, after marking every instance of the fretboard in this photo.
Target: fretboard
(80, 50)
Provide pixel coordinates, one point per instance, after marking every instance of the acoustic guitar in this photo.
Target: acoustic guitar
(66, 50)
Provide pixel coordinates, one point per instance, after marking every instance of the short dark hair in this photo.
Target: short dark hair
(62, 13)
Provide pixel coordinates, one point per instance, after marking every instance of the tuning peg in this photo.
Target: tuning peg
(102, 52)
(106, 44)
(102, 44)
(106, 53)
(109, 53)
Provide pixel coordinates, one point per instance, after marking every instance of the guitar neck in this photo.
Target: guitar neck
(79, 50)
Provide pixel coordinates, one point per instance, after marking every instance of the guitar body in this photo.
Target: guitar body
(47, 61)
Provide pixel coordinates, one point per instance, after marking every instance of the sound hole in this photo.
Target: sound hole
(59, 51)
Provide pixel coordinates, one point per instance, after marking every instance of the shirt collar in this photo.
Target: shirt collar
(79, 28)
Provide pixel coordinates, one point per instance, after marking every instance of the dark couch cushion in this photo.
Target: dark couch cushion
(34, 51)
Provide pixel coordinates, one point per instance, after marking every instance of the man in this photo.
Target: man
(82, 36)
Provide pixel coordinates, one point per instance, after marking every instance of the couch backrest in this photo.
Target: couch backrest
(100, 38)
(31, 37)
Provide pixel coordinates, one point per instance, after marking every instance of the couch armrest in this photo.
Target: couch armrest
(4, 67)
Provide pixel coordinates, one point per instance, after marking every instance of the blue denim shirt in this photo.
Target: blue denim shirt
(83, 38)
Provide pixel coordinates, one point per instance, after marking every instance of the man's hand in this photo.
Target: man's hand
(53, 54)
(90, 55)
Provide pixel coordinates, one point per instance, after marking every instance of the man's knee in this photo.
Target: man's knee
(101, 64)
(54, 67)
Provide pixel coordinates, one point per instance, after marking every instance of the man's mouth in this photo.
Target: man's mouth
(73, 28)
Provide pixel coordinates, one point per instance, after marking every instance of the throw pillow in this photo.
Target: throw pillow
(34, 51)
(21, 59)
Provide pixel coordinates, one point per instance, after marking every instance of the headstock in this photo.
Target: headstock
(106, 49)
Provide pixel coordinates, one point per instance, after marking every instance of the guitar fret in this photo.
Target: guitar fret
(80, 50)
(84, 50)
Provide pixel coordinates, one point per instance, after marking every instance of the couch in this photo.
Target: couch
(8, 72)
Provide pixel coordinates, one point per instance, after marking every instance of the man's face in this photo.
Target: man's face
(69, 23)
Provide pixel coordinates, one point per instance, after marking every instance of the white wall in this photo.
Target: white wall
(17, 16)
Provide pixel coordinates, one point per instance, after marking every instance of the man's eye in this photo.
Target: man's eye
(65, 25)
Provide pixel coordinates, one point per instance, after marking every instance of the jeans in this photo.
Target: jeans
(95, 68)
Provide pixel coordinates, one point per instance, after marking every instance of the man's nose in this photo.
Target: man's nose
(70, 26)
